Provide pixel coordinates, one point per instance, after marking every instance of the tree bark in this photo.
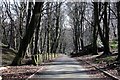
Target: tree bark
(118, 27)
(96, 19)
(36, 57)
(28, 36)
(105, 25)
(104, 36)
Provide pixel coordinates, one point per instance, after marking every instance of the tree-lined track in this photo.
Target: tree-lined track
(61, 68)
(34, 33)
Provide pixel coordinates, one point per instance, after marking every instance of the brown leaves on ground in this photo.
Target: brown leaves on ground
(94, 74)
(101, 63)
(19, 72)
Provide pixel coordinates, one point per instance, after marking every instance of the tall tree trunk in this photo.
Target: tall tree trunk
(56, 39)
(81, 32)
(55, 42)
(28, 36)
(105, 25)
(48, 41)
(118, 27)
(43, 46)
(76, 29)
(82, 44)
(96, 19)
(36, 57)
(12, 36)
(29, 14)
(104, 36)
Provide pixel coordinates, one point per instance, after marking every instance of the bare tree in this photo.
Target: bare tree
(28, 36)
(118, 27)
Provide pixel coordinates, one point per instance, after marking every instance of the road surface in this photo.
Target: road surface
(62, 68)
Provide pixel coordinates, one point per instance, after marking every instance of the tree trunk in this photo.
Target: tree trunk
(29, 14)
(36, 60)
(96, 19)
(105, 25)
(48, 42)
(82, 44)
(104, 36)
(118, 27)
(12, 36)
(28, 36)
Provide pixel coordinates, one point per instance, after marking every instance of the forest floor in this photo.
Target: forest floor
(22, 72)
(105, 63)
(66, 68)
(61, 68)
(19, 72)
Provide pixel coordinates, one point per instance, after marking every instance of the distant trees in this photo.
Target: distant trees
(40, 28)
(100, 23)
(77, 15)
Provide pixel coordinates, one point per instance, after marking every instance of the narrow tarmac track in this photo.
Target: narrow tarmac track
(62, 68)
